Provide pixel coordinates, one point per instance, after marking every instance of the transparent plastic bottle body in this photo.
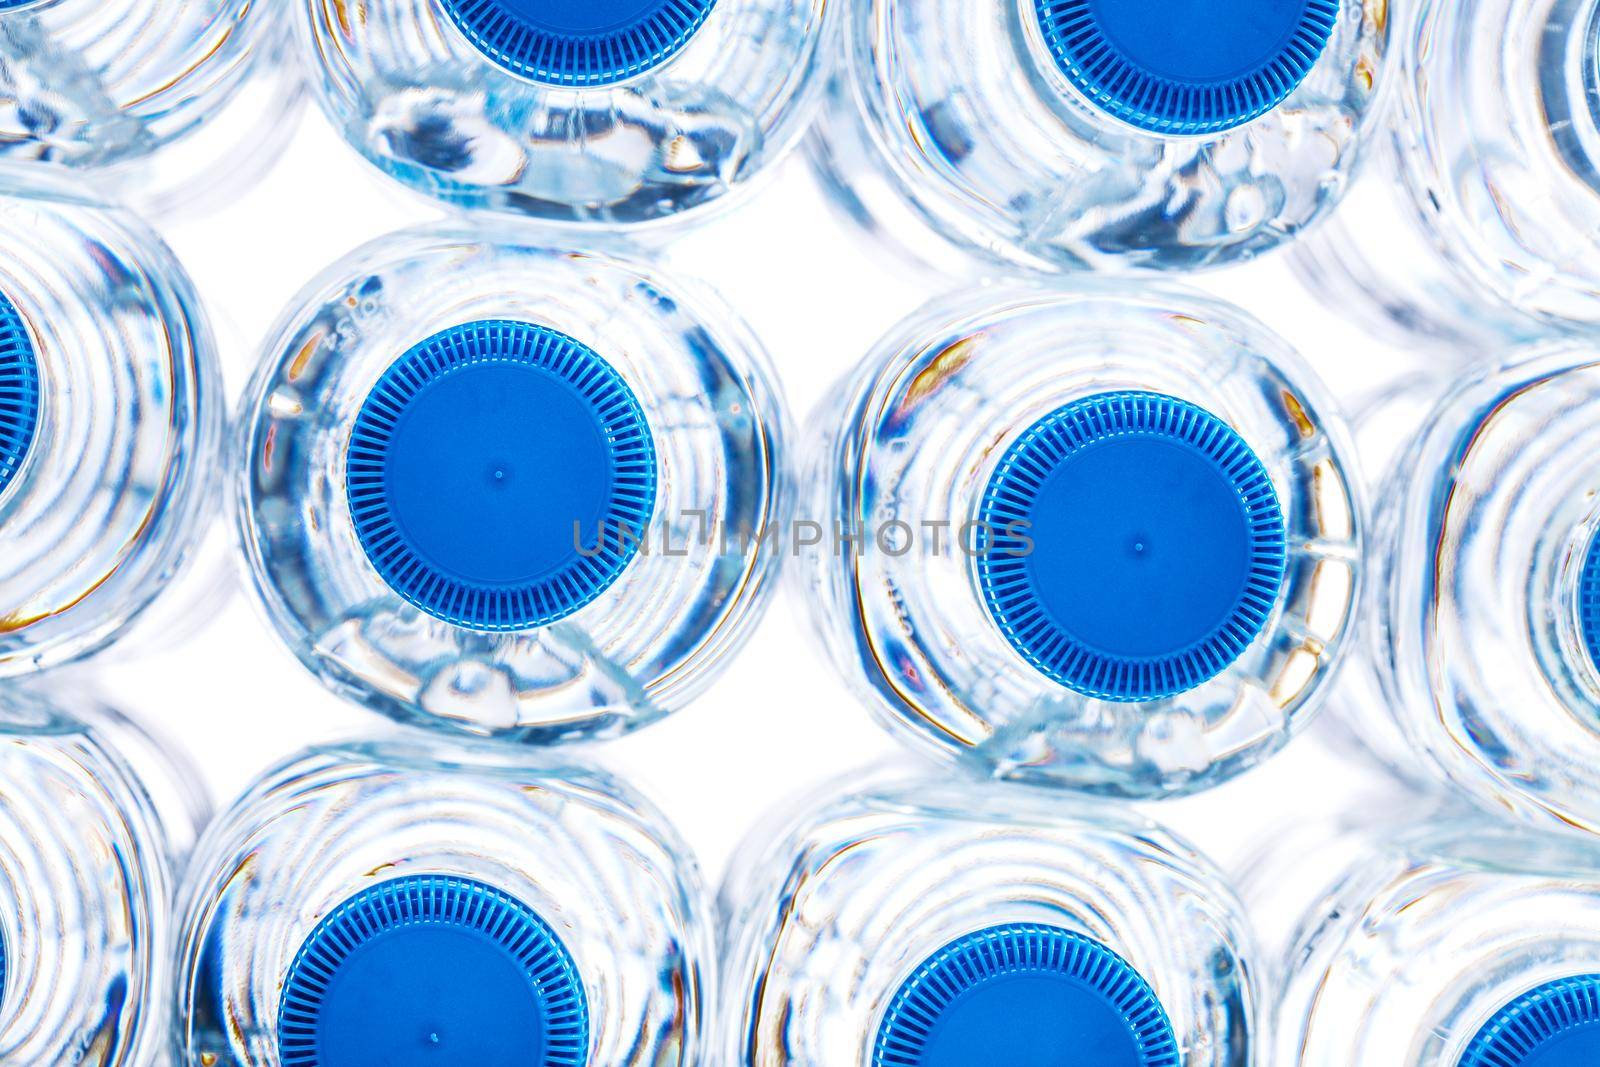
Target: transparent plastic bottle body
(1403, 291)
(98, 86)
(110, 421)
(165, 772)
(1484, 630)
(839, 918)
(613, 113)
(233, 148)
(1362, 723)
(1108, 134)
(89, 849)
(844, 163)
(511, 490)
(1457, 944)
(1294, 860)
(453, 862)
(1168, 437)
(1480, 222)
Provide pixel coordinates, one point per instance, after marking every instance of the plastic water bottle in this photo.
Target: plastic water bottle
(110, 421)
(1104, 133)
(610, 112)
(87, 851)
(510, 489)
(408, 902)
(1488, 198)
(90, 85)
(1485, 634)
(920, 922)
(1460, 944)
(1088, 536)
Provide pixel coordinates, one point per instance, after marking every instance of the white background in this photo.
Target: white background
(779, 721)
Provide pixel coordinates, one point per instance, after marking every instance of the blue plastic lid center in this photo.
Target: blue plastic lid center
(1191, 566)
(578, 43)
(488, 493)
(1137, 546)
(580, 16)
(433, 972)
(1555, 1025)
(1187, 66)
(1025, 996)
(501, 475)
(19, 392)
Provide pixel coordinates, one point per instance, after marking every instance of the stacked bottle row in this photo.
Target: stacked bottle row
(1005, 573)
(405, 901)
(1044, 135)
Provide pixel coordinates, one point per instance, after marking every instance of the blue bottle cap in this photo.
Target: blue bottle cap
(1555, 1025)
(1135, 546)
(1025, 996)
(1187, 66)
(433, 971)
(19, 392)
(501, 475)
(1589, 602)
(579, 43)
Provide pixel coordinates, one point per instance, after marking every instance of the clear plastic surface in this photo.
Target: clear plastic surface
(413, 93)
(964, 108)
(87, 857)
(909, 441)
(598, 864)
(652, 639)
(1293, 861)
(1362, 722)
(233, 148)
(830, 908)
(96, 86)
(1425, 934)
(117, 486)
(1479, 224)
(1402, 292)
